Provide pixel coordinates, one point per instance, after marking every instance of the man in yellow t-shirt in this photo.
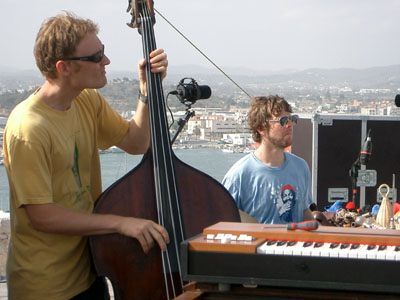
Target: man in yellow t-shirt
(51, 156)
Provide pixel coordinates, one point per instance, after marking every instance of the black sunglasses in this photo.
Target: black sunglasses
(96, 58)
(285, 120)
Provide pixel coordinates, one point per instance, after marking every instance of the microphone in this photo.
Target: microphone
(366, 149)
(191, 91)
(397, 100)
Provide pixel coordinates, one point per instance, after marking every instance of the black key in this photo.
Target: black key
(397, 248)
(291, 243)
(281, 243)
(382, 247)
(333, 245)
(354, 246)
(371, 247)
(344, 246)
(270, 243)
(318, 245)
(308, 244)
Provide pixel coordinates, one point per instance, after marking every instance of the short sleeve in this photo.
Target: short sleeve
(29, 172)
(231, 183)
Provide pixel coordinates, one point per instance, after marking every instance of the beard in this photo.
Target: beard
(281, 142)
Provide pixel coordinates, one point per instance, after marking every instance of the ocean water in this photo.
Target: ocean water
(114, 165)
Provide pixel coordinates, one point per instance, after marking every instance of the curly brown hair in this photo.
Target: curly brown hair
(58, 38)
(262, 109)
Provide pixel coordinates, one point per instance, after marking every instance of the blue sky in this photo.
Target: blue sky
(256, 34)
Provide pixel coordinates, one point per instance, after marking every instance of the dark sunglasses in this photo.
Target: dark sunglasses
(285, 120)
(96, 58)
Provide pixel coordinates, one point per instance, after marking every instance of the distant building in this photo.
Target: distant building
(238, 139)
(213, 126)
(368, 110)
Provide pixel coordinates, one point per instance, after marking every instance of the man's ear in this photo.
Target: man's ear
(63, 68)
(261, 131)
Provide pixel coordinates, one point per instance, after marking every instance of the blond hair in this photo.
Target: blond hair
(58, 38)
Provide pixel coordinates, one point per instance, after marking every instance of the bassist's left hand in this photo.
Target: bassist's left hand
(158, 64)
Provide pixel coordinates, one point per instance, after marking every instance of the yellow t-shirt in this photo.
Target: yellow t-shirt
(52, 156)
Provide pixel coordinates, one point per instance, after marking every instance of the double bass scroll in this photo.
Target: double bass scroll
(161, 188)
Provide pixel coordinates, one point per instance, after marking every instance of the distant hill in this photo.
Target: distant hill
(374, 77)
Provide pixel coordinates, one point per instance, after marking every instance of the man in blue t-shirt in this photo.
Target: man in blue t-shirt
(271, 185)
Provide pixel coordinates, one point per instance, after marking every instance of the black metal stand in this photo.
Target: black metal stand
(182, 122)
(353, 172)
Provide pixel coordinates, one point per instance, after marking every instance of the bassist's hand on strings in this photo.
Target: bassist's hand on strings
(145, 231)
(137, 139)
(159, 64)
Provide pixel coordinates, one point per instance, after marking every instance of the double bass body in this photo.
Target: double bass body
(161, 188)
(134, 274)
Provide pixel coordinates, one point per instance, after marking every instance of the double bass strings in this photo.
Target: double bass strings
(146, 32)
(163, 167)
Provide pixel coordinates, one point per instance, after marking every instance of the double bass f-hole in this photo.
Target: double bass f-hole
(161, 188)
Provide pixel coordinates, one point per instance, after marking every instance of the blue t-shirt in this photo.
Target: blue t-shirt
(272, 195)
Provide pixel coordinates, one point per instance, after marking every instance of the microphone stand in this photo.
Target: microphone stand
(353, 172)
(182, 122)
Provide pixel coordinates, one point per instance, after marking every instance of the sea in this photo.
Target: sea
(114, 165)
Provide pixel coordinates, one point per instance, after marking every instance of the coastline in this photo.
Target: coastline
(224, 147)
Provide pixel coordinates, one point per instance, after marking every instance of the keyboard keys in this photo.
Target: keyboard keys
(353, 252)
(288, 249)
(280, 246)
(324, 250)
(333, 250)
(344, 250)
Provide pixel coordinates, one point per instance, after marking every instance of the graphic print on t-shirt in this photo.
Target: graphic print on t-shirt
(286, 202)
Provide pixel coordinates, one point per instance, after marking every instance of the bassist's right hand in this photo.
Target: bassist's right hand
(145, 231)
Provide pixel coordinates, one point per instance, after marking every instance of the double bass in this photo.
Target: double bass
(161, 188)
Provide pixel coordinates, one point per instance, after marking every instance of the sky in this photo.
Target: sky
(254, 34)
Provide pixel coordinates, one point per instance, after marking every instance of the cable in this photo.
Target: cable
(169, 109)
(201, 52)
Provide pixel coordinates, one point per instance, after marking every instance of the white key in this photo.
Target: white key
(288, 249)
(325, 250)
(280, 247)
(267, 248)
(353, 252)
(316, 249)
(392, 253)
(334, 250)
(344, 250)
(307, 248)
(381, 253)
(298, 249)
(397, 251)
(372, 251)
(261, 248)
(362, 251)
